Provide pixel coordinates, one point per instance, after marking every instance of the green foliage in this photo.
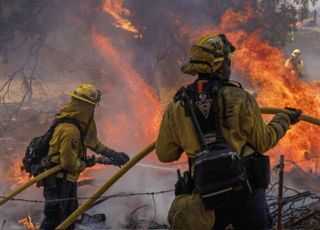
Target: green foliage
(276, 19)
(279, 19)
(277, 22)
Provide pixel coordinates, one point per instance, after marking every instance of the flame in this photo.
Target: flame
(141, 122)
(16, 175)
(278, 88)
(263, 66)
(255, 59)
(28, 224)
(118, 12)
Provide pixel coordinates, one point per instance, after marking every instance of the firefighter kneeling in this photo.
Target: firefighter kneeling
(219, 126)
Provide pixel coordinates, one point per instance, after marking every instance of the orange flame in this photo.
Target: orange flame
(145, 107)
(118, 12)
(28, 224)
(263, 65)
(16, 175)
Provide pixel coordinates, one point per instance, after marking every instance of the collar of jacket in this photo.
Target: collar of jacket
(82, 111)
(211, 77)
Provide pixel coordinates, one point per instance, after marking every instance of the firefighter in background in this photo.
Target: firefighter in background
(68, 147)
(242, 127)
(295, 64)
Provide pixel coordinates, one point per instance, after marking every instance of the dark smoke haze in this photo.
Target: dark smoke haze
(61, 55)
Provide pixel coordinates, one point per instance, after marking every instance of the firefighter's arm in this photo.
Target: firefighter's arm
(288, 64)
(260, 135)
(167, 148)
(115, 158)
(100, 148)
(92, 141)
(69, 151)
(301, 65)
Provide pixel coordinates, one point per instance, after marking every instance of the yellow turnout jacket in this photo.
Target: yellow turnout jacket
(66, 139)
(295, 65)
(240, 123)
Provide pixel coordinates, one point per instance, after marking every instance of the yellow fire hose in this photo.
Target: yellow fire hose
(303, 117)
(67, 222)
(114, 178)
(29, 183)
(84, 206)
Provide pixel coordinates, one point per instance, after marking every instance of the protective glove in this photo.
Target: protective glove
(91, 161)
(184, 184)
(103, 160)
(116, 158)
(294, 115)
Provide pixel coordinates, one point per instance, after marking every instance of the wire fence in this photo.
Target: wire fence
(300, 209)
(101, 198)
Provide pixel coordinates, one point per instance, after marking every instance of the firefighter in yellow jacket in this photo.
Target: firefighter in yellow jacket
(295, 64)
(74, 133)
(240, 125)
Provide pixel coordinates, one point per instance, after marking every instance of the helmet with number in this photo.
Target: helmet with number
(208, 55)
(88, 93)
(296, 53)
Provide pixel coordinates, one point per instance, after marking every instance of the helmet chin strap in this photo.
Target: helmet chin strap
(228, 49)
(225, 68)
(223, 72)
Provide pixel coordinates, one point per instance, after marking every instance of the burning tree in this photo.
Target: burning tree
(133, 51)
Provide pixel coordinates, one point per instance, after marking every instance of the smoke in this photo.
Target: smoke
(138, 76)
(306, 41)
(118, 210)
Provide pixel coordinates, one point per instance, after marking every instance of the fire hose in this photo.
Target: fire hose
(67, 222)
(29, 183)
(303, 117)
(85, 205)
(114, 178)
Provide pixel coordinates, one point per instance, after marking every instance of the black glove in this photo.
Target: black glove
(184, 184)
(294, 115)
(91, 161)
(117, 158)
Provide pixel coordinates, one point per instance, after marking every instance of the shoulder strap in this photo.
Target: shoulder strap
(70, 120)
(184, 95)
(189, 107)
(75, 122)
(215, 92)
(249, 145)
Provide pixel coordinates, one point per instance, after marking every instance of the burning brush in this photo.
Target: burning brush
(28, 223)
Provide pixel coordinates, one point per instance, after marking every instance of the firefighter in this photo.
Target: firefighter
(241, 127)
(295, 64)
(68, 148)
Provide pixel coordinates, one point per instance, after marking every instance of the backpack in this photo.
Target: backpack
(36, 159)
(219, 173)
